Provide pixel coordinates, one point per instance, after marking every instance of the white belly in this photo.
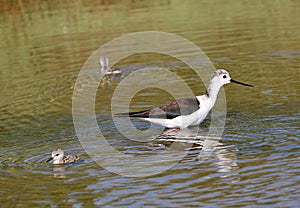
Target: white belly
(181, 121)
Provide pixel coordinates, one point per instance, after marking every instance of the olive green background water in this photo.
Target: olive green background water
(43, 47)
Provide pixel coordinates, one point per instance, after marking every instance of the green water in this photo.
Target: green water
(43, 47)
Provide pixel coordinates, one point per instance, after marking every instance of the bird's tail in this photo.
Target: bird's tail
(139, 114)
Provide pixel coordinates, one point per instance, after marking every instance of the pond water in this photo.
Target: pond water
(44, 44)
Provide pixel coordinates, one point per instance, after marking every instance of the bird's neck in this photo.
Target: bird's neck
(213, 91)
(56, 162)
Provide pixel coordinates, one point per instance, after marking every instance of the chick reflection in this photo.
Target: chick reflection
(59, 171)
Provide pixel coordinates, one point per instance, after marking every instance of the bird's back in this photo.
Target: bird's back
(70, 158)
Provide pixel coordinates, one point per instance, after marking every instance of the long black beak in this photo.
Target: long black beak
(48, 160)
(241, 83)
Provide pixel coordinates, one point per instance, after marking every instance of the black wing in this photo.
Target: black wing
(184, 106)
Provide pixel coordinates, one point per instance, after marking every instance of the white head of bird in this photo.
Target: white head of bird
(219, 78)
(224, 78)
(58, 156)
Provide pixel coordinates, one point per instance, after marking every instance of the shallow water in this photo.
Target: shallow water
(44, 45)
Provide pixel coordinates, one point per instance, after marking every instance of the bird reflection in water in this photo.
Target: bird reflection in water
(204, 148)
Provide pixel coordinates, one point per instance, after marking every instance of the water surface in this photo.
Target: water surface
(43, 47)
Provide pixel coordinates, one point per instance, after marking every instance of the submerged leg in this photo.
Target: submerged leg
(168, 131)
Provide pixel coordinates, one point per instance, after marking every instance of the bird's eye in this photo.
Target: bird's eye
(56, 154)
(224, 76)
